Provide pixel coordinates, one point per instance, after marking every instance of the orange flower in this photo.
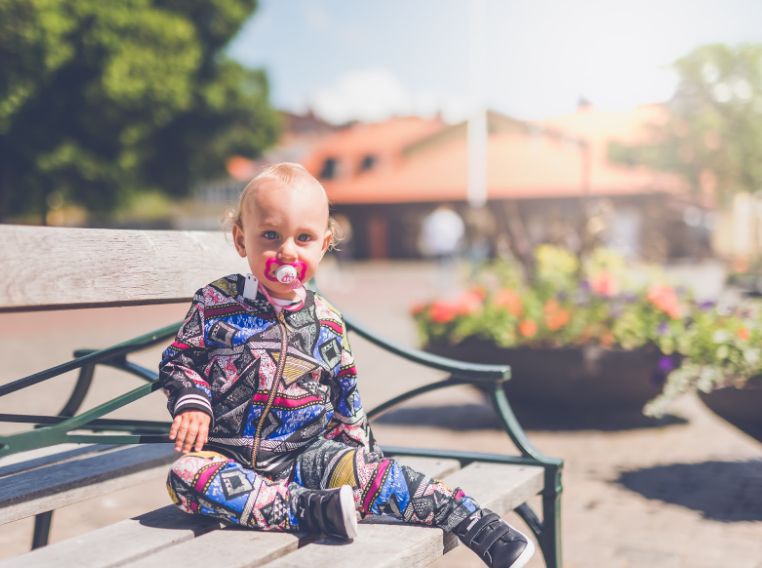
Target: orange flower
(528, 328)
(743, 334)
(607, 338)
(416, 309)
(480, 291)
(605, 284)
(557, 320)
(664, 298)
(442, 312)
(551, 306)
(468, 303)
(509, 299)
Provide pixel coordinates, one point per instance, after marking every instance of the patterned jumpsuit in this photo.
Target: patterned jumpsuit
(286, 417)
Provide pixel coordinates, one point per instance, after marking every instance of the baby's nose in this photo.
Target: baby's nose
(288, 250)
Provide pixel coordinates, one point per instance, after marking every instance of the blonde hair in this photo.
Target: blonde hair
(291, 174)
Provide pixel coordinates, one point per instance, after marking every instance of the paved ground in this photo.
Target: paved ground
(682, 495)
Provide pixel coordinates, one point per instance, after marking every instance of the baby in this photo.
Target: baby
(263, 388)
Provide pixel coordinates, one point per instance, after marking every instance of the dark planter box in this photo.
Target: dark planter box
(584, 379)
(741, 407)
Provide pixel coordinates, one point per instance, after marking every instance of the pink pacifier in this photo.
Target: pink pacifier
(298, 267)
(290, 274)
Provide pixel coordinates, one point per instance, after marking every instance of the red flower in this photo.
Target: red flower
(509, 299)
(468, 303)
(664, 298)
(442, 312)
(605, 284)
(743, 333)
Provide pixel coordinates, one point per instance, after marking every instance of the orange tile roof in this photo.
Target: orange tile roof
(520, 166)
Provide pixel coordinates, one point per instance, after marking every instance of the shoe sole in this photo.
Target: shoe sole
(349, 516)
(524, 557)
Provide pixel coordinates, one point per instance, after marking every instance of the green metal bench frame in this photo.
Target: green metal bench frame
(52, 430)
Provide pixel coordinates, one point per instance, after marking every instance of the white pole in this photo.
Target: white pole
(477, 124)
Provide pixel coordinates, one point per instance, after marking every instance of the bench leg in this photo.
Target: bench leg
(550, 537)
(41, 529)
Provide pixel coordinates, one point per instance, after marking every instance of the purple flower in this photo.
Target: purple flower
(630, 297)
(662, 330)
(666, 364)
(562, 295)
(706, 305)
(584, 285)
(659, 375)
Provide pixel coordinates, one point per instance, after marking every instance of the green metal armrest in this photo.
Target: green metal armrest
(467, 372)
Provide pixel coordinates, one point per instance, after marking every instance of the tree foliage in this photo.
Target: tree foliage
(713, 136)
(100, 99)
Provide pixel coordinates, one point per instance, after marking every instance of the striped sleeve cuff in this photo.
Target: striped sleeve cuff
(194, 401)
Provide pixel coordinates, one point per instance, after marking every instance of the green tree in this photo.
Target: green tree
(101, 99)
(713, 136)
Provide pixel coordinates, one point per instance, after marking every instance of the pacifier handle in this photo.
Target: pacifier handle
(286, 274)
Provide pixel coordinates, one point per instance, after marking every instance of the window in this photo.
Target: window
(330, 169)
(368, 163)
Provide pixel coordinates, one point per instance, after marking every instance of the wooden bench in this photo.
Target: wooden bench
(54, 268)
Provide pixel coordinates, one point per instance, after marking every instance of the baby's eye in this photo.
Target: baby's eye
(304, 237)
(270, 235)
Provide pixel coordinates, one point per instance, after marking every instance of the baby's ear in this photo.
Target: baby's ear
(326, 241)
(239, 240)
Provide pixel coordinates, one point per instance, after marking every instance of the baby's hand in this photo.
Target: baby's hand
(189, 427)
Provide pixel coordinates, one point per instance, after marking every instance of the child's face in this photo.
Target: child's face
(283, 223)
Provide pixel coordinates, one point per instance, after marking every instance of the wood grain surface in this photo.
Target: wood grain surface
(148, 540)
(393, 544)
(57, 267)
(119, 543)
(31, 492)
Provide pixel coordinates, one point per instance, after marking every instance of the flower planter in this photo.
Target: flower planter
(740, 407)
(576, 380)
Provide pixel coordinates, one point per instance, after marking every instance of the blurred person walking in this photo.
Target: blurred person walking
(441, 237)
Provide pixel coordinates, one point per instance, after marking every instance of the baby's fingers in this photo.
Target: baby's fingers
(182, 434)
(203, 433)
(175, 426)
(191, 437)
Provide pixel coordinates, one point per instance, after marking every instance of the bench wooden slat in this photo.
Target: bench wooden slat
(54, 486)
(119, 543)
(138, 540)
(392, 544)
(113, 267)
(234, 550)
(40, 457)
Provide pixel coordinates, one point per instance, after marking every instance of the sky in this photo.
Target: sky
(531, 59)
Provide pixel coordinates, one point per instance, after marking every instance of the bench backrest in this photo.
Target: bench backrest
(43, 268)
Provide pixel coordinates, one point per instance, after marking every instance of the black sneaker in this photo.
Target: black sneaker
(496, 542)
(330, 512)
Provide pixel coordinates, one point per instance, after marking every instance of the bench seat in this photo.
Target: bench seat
(90, 472)
(169, 537)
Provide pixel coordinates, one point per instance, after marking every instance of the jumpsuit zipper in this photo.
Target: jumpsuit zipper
(273, 391)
